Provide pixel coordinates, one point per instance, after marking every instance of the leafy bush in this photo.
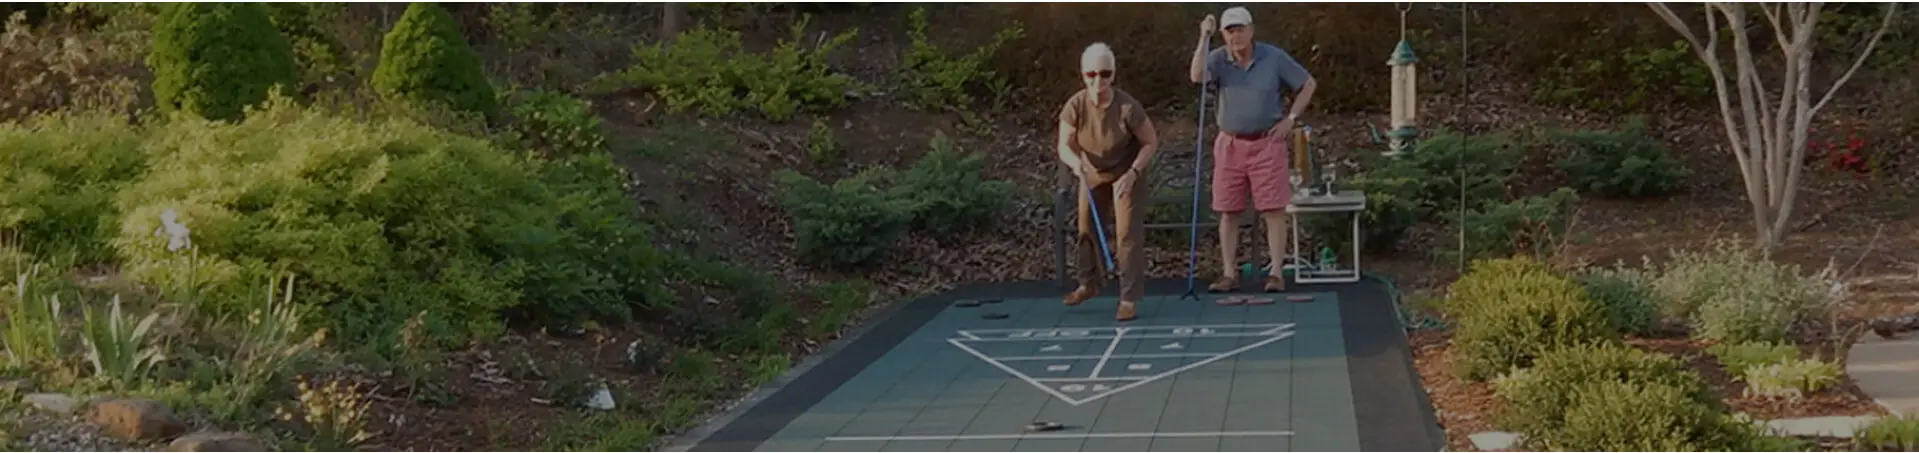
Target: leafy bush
(1621, 163)
(46, 70)
(1392, 206)
(1895, 433)
(425, 59)
(850, 222)
(1489, 283)
(386, 220)
(1533, 226)
(1734, 295)
(1535, 401)
(1442, 163)
(1790, 379)
(1628, 296)
(931, 79)
(556, 124)
(1642, 416)
(1627, 77)
(1739, 357)
(946, 191)
(61, 173)
(215, 59)
(708, 70)
(1510, 323)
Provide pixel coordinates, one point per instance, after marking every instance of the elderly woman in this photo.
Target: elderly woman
(1108, 142)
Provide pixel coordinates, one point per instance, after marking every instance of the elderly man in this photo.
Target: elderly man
(1108, 141)
(1250, 152)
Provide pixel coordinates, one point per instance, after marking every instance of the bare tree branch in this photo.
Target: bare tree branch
(1884, 24)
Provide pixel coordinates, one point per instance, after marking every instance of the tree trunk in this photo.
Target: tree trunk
(672, 20)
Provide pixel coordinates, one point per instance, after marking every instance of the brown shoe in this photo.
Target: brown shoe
(1275, 283)
(1079, 296)
(1125, 312)
(1224, 284)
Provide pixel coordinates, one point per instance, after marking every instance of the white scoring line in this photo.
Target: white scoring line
(1169, 355)
(1065, 436)
(1267, 333)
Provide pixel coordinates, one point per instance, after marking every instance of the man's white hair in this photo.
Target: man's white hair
(1096, 53)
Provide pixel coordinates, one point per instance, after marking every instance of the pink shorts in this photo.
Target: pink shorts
(1259, 166)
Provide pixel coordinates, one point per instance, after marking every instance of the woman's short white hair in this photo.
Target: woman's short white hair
(1095, 54)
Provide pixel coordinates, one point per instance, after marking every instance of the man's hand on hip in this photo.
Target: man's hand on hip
(1282, 130)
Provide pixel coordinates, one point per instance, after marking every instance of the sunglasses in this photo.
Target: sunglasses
(1106, 74)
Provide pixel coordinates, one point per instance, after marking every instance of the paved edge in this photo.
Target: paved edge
(1392, 408)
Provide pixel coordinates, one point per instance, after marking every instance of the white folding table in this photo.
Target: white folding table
(1349, 202)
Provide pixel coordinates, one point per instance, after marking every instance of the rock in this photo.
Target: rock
(216, 441)
(52, 402)
(602, 399)
(16, 385)
(1836, 426)
(136, 419)
(1494, 440)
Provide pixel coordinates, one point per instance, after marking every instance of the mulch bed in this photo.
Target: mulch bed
(1466, 407)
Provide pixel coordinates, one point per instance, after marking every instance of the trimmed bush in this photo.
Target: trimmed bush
(61, 173)
(1624, 163)
(848, 223)
(215, 59)
(1440, 164)
(1535, 401)
(1392, 206)
(1639, 416)
(426, 59)
(1508, 323)
(1489, 283)
(1733, 295)
(1627, 295)
(385, 220)
(946, 191)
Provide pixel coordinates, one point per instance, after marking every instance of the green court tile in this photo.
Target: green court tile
(832, 445)
(791, 444)
(1185, 444)
(982, 445)
(1276, 443)
(915, 445)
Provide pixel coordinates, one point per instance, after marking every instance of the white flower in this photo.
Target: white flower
(177, 234)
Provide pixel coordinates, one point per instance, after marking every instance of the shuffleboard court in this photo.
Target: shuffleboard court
(1328, 370)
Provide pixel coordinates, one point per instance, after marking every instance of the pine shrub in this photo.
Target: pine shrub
(215, 59)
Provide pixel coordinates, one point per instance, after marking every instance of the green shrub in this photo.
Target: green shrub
(848, 223)
(1392, 206)
(708, 70)
(556, 124)
(1621, 163)
(1895, 433)
(1790, 379)
(1510, 323)
(1628, 76)
(1533, 226)
(1734, 295)
(1442, 163)
(61, 173)
(930, 79)
(1738, 357)
(946, 191)
(215, 59)
(425, 59)
(1628, 296)
(1490, 283)
(385, 220)
(1535, 401)
(1639, 416)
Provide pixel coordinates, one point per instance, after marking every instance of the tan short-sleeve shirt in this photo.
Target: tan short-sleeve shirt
(1105, 136)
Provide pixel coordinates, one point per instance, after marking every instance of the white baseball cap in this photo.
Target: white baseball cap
(1237, 15)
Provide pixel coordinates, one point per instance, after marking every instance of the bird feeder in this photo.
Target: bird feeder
(1404, 99)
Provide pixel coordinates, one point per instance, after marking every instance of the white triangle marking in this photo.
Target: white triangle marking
(1088, 389)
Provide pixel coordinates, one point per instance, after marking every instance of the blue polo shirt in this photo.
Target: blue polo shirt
(1249, 96)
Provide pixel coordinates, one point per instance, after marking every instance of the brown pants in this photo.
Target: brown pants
(1125, 219)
